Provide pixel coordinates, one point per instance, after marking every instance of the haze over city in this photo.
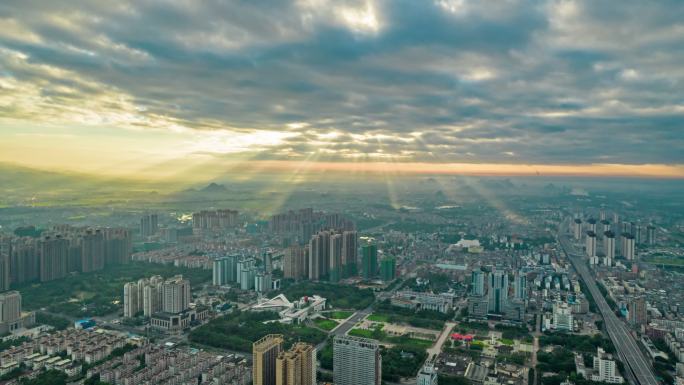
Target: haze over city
(341, 192)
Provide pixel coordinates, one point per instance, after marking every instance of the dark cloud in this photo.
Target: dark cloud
(557, 81)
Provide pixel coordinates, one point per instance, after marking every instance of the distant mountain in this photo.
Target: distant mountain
(214, 188)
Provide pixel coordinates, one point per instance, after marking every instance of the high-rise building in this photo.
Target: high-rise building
(498, 292)
(427, 374)
(319, 255)
(628, 246)
(609, 247)
(369, 261)
(637, 314)
(356, 361)
(562, 316)
(336, 269)
(651, 235)
(591, 224)
(11, 317)
(605, 368)
(295, 264)
(265, 353)
(520, 287)
(5, 256)
(477, 279)
(262, 282)
(131, 302)
(350, 251)
(54, 254)
(388, 269)
(605, 226)
(247, 278)
(92, 251)
(577, 229)
(175, 295)
(152, 296)
(638, 233)
(149, 225)
(590, 247)
(244, 264)
(221, 271)
(118, 246)
(214, 220)
(24, 259)
(297, 366)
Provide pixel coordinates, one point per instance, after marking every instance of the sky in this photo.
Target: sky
(156, 88)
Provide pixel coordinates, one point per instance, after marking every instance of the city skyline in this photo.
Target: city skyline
(158, 90)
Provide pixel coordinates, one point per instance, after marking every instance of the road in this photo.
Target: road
(345, 326)
(623, 340)
(437, 347)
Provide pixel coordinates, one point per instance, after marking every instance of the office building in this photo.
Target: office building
(175, 294)
(297, 366)
(356, 361)
(427, 375)
(478, 306)
(369, 261)
(498, 292)
(562, 317)
(605, 369)
(11, 316)
(442, 303)
(388, 269)
(477, 280)
(149, 226)
(637, 314)
(265, 353)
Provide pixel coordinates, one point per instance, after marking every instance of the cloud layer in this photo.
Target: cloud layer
(513, 81)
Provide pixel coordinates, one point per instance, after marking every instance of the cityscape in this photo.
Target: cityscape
(348, 192)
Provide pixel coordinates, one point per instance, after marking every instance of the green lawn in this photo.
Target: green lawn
(417, 342)
(506, 341)
(339, 314)
(377, 317)
(365, 333)
(326, 324)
